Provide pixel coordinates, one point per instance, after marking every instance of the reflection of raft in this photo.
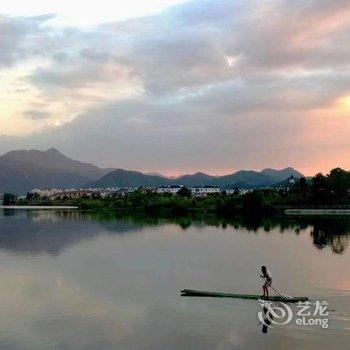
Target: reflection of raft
(198, 293)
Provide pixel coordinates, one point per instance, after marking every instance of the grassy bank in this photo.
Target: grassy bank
(153, 203)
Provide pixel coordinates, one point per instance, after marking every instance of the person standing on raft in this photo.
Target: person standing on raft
(266, 275)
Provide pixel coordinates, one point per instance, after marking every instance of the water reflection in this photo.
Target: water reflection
(268, 318)
(51, 231)
(82, 280)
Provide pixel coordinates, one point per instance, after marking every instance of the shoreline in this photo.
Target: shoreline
(287, 212)
(324, 212)
(37, 207)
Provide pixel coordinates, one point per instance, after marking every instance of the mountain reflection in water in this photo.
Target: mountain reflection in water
(51, 231)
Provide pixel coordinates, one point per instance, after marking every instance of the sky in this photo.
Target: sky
(178, 86)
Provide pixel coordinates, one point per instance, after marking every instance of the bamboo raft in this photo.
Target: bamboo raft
(198, 293)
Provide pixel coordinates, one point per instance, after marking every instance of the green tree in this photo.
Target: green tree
(302, 185)
(320, 187)
(9, 198)
(32, 196)
(339, 182)
(184, 192)
(252, 202)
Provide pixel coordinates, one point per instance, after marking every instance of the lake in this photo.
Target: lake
(73, 280)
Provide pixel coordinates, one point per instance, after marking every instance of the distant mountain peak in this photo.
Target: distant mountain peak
(155, 173)
(53, 150)
(200, 173)
(282, 174)
(289, 168)
(23, 170)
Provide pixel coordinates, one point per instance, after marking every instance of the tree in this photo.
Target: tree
(302, 184)
(9, 198)
(32, 195)
(320, 187)
(184, 192)
(252, 202)
(339, 182)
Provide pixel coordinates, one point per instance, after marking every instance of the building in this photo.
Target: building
(83, 193)
(291, 181)
(74, 194)
(44, 193)
(122, 192)
(204, 191)
(168, 189)
(245, 190)
(237, 190)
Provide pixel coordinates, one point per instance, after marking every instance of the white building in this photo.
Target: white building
(45, 193)
(230, 190)
(168, 189)
(204, 190)
(291, 181)
(75, 193)
(245, 190)
(121, 192)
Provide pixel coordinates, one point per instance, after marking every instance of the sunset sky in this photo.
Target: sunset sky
(178, 86)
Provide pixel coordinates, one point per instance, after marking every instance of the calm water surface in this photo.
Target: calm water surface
(81, 281)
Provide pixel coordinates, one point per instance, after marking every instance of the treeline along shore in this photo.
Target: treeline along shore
(321, 191)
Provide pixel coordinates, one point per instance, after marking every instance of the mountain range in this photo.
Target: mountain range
(23, 170)
(242, 179)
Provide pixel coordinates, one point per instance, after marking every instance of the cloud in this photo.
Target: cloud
(19, 37)
(37, 115)
(203, 85)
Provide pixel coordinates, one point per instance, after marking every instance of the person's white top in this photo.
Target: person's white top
(268, 275)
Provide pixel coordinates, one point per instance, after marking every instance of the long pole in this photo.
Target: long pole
(274, 288)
